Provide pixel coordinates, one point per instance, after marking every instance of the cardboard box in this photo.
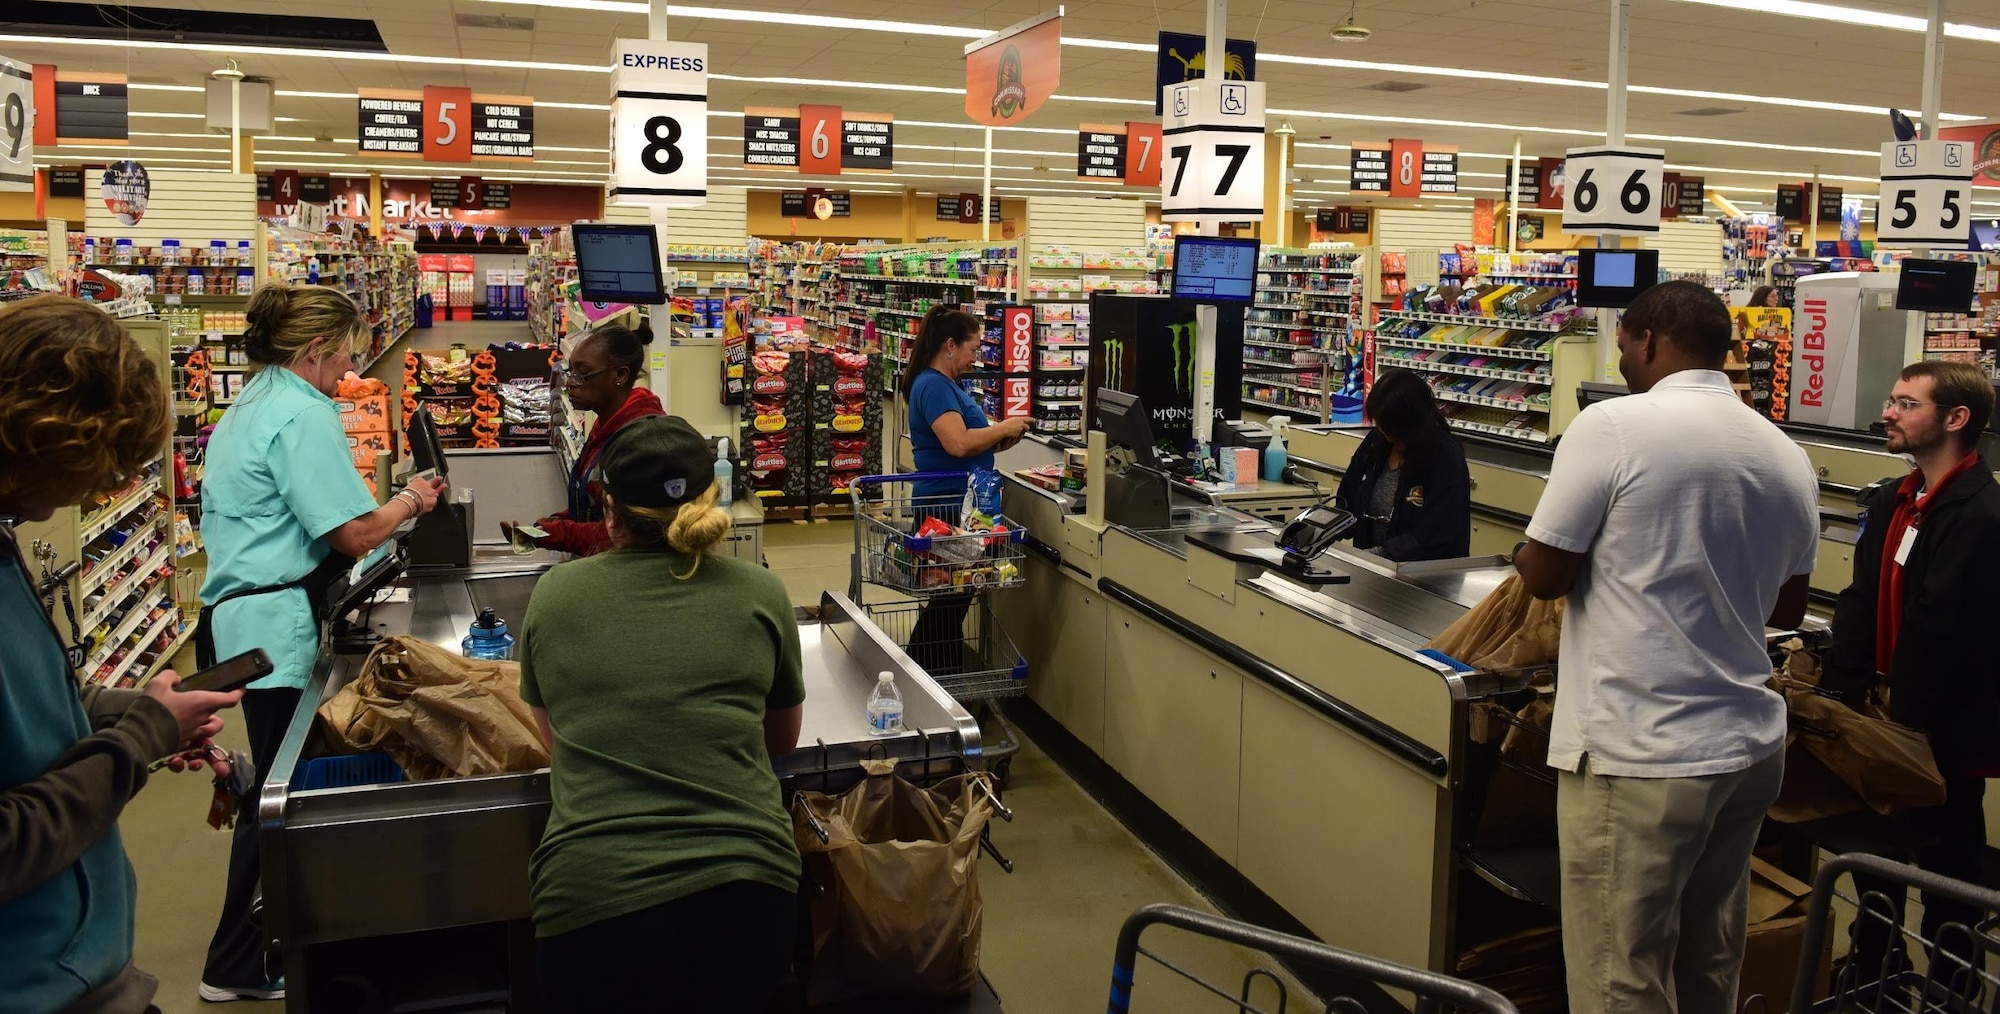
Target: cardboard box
(365, 415)
(1777, 933)
(363, 447)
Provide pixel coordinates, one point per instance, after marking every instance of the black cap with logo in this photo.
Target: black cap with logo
(657, 461)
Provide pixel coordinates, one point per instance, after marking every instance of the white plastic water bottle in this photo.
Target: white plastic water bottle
(725, 474)
(885, 707)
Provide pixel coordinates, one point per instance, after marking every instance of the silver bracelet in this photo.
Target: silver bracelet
(416, 502)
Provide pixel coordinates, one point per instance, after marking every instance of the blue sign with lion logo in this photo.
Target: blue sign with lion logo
(1182, 58)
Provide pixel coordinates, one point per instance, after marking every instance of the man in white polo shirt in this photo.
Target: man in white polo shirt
(1679, 522)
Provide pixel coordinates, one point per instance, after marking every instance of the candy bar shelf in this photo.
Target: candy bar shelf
(1306, 303)
(114, 561)
(1528, 368)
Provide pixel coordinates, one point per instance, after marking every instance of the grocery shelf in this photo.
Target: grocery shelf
(1515, 432)
(122, 589)
(1469, 371)
(110, 564)
(1510, 323)
(1510, 404)
(133, 620)
(105, 520)
(1293, 409)
(1501, 351)
(167, 657)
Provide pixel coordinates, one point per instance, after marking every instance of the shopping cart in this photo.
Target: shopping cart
(939, 612)
(1950, 971)
(1433, 991)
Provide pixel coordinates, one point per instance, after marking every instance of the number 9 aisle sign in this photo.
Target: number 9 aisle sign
(17, 125)
(1214, 160)
(1926, 194)
(1614, 191)
(659, 123)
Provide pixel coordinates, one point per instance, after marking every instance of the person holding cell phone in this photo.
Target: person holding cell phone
(283, 513)
(85, 410)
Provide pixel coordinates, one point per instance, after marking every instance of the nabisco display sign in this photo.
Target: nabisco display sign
(1824, 336)
(1017, 356)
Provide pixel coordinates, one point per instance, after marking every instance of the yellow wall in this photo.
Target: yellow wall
(875, 216)
(18, 209)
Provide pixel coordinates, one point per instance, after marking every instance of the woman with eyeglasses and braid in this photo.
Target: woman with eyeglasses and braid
(601, 377)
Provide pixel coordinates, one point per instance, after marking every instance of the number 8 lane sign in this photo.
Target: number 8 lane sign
(1613, 190)
(659, 123)
(1926, 194)
(1213, 167)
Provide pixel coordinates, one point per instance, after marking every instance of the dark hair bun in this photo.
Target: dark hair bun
(262, 318)
(645, 331)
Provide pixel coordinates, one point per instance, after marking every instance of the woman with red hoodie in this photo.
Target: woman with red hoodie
(601, 377)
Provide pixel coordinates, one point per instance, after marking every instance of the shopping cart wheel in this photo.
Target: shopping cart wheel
(1003, 773)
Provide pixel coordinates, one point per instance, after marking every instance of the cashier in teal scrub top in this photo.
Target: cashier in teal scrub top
(283, 511)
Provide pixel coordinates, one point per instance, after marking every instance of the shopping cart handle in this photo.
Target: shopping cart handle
(880, 480)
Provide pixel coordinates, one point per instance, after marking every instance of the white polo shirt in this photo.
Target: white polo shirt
(1693, 511)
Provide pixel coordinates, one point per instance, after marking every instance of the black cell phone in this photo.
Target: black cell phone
(232, 674)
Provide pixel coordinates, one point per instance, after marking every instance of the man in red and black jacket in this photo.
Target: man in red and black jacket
(1916, 619)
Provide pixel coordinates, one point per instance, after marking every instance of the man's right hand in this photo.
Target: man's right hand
(193, 710)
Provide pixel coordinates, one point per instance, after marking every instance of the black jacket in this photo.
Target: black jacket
(1432, 519)
(1944, 677)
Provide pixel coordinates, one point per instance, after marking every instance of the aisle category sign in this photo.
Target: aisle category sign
(496, 196)
(1926, 194)
(1528, 185)
(1144, 151)
(1214, 167)
(1368, 167)
(771, 137)
(1614, 190)
(316, 189)
(503, 127)
(659, 123)
(65, 182)
(868, 141)
(391, 122)
(17, 125)
(447, 124)
(952, 208)
(1100, 152)
(819, 140)
(1440, 170)
(92, 108)
(1693, 192)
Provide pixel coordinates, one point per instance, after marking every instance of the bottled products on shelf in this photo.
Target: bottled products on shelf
(1301, 350)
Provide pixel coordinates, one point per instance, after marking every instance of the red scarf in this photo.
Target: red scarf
(1908, 516)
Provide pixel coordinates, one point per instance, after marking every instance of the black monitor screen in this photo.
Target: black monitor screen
(619, 264)
(425, 450)
(1614, 278)
(1123, 419)
(1935, 286)
(1211, 269)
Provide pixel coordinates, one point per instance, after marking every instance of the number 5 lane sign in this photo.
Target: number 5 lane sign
(1614, 191)
(1926, 194)
(659, 123)
(1213, 165)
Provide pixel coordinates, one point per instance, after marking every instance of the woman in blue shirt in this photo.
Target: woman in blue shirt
(283, 511)
(948, 433)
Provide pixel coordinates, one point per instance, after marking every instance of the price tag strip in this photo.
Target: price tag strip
(659, 123)
(1214, 165)
(1926, 194)
(1615, 191)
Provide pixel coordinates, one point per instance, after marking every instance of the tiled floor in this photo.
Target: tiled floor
(1050, 927)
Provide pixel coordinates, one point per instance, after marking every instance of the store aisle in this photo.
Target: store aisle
(1050, 926)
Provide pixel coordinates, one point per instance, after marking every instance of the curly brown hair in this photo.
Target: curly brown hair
(85, 409)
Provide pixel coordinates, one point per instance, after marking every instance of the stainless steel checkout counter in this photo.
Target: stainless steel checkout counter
(348, 863)
(1297, 732)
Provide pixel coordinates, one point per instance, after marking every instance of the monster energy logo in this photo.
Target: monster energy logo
(1114, 362)
(1183, 357)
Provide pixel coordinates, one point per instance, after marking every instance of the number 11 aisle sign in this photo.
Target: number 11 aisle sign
(1214, 164)
(659, 123)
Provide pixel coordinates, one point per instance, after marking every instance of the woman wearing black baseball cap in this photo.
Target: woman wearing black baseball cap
(666, 680)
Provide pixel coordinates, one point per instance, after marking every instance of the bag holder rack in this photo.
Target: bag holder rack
(929, 764)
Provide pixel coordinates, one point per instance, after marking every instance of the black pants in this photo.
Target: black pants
(937, 638)
(1954, 845)
(236, 954)
(724, 951)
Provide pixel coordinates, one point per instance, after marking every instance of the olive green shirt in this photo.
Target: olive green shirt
(656, 689)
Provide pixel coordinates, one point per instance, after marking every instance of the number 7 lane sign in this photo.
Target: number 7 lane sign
(1615, 191)
(1214, 151)
(1926, 194)
(659, 123)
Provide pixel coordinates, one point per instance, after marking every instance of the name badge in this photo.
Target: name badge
(1903, 548)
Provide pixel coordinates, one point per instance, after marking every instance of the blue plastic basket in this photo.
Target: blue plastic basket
(1344, 409)
(342, 772)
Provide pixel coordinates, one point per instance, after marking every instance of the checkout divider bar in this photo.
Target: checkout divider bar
(1402, 747)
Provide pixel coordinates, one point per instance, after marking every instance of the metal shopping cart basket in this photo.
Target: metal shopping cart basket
(938, 611)
(1434, 992)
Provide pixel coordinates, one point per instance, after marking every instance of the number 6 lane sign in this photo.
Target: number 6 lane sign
(1613, 191)
(1926, 194)
(659, 123)
(1212, 165)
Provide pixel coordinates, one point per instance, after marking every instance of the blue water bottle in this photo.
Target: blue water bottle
(489, 639)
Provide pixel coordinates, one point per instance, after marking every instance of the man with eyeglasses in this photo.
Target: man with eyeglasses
(1916, 623)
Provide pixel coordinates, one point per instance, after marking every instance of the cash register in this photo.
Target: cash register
(442, 538)
(1136, 495)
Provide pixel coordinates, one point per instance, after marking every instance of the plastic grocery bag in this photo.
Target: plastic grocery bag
(437, 713)
(893, 888)
(1509, 629)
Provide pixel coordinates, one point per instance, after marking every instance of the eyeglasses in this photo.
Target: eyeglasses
(1902, 405)
(570, 379)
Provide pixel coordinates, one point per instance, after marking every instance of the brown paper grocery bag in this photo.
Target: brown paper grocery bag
(1889, 766)
(894, 890)
(437, 713)
(1509, 629)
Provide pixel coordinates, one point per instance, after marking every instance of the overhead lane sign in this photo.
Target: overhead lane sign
(659, 123)
(1214, 169)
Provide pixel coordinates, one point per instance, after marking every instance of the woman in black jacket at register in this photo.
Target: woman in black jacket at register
(1408, 483)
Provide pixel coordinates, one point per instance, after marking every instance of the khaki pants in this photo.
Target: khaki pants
(1656, 879)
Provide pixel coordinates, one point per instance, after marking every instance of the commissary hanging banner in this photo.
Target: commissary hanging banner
(17, 125)
(659, 123)
(1009, 74)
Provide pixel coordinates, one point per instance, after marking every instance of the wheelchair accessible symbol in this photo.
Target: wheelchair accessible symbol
(1954, 157)
(1180, 102)
(1906, 156)
(1235, 99)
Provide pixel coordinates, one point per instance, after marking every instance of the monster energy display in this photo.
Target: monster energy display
(1146, 346)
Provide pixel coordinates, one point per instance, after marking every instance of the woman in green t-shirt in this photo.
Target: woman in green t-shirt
(665, 680)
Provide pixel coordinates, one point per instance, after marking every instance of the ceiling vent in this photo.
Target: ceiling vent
(181, 27)
(1395, 86)
(499, 22)
(1709, 111)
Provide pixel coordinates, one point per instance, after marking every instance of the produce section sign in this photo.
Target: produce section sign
(1009, 74)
